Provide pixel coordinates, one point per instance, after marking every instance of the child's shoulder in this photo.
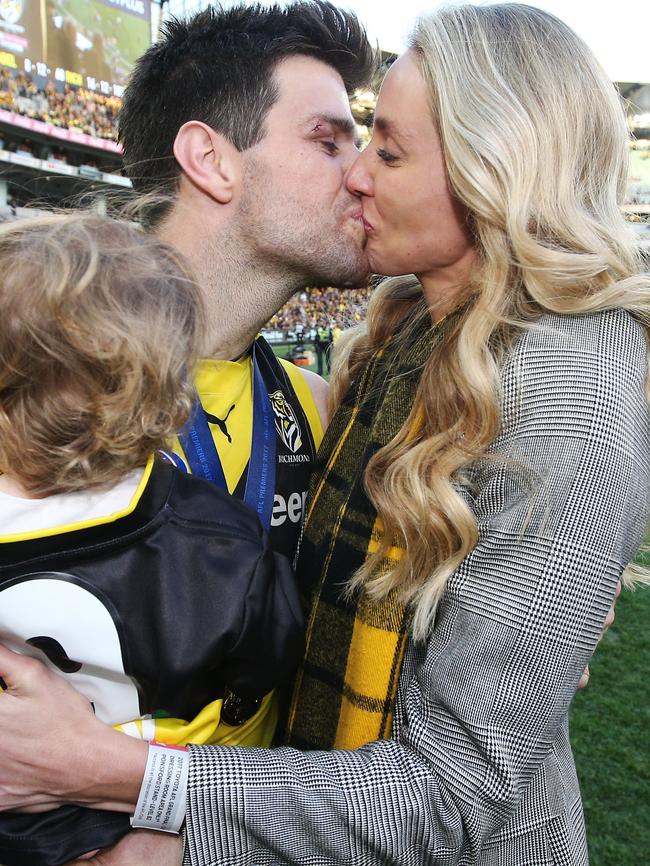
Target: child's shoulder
(197, 501)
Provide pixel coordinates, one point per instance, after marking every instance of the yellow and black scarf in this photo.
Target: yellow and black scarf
(345, 689)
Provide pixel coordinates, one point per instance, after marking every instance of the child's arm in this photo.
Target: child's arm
(271, 639)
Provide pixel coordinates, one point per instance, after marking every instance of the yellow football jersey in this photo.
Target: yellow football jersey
(226, 393)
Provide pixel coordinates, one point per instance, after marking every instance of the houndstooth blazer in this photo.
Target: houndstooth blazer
(479, 768)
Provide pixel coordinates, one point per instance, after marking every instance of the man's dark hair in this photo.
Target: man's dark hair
(217, 67)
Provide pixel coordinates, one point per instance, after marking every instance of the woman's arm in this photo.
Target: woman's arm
(481, 717)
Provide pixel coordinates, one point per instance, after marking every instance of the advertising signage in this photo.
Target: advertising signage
(85, 43)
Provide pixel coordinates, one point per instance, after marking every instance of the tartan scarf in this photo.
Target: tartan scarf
(345, 689)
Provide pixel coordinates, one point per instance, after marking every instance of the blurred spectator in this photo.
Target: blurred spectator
(57, 154)
(25, 148)
(322, 344)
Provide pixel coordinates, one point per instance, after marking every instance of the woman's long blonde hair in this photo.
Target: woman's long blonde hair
(99, 330)
(535, 144)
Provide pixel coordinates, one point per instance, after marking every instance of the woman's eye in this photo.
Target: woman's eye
(385, 156)
(331, 147)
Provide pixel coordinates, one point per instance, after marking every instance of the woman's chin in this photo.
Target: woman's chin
(385, 270)
(384, 266)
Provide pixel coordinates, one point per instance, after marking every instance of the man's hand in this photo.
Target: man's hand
(609, 620)
(138, 848)
(53, 748)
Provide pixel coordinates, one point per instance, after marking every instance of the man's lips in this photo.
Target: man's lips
(357, 216)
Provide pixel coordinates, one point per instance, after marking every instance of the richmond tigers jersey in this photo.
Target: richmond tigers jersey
(142, 612)
(225, 390)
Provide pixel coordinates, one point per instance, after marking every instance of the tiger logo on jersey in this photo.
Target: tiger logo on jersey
(286, 422)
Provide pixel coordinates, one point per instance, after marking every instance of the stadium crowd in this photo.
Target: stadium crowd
(69, 108)
(312, 309)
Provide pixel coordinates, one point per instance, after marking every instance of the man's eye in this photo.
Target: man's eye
(385, 156)
(331, 147)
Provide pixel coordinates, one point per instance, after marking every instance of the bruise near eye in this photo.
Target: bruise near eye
(55, 653)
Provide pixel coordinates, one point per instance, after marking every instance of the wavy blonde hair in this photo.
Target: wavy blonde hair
(100, 327)
(535, 145)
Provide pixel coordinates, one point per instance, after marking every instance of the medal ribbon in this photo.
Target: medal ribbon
(203, 457)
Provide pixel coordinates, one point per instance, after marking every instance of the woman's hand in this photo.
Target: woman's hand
(137, 848)
(53, 748)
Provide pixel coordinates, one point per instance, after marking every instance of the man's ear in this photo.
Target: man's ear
(208, 160)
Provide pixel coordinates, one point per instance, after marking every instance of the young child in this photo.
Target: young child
(155, 593)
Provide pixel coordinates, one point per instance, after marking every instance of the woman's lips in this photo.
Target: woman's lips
(367, 226)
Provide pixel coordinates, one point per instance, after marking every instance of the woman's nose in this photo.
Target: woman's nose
(358, 180)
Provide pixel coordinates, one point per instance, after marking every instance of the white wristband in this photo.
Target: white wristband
(163, 795)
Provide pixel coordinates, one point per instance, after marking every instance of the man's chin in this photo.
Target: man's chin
(360, 271)
(359, 282)
(354, 280)
(351, 274)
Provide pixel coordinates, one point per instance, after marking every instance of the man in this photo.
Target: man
(237, 124)
(237, 130)
(322, 345)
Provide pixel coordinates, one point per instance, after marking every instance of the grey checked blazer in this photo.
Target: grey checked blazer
(479, 768)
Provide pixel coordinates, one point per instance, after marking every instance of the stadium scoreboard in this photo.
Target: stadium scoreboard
(84, 43)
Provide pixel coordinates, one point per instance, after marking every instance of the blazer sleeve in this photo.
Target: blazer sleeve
(561, 503)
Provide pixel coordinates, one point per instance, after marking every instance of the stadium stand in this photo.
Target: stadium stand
(70, 108)
(312, 309)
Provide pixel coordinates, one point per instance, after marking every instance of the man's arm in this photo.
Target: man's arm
(319, 390)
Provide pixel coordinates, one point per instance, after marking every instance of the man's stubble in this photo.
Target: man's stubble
(304, 245)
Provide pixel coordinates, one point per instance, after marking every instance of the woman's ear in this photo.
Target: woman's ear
(208, 160)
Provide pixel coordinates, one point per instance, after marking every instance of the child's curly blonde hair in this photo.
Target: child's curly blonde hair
(100, 327)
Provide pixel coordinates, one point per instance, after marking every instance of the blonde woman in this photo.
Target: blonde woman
(154, 593)
(481, 488)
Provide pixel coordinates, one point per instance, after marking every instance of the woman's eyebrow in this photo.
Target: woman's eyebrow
(389, 127)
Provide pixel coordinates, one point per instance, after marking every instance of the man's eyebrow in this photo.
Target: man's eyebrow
(339, 121)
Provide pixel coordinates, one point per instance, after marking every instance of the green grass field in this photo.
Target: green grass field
(282, 349)
(610, 733)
